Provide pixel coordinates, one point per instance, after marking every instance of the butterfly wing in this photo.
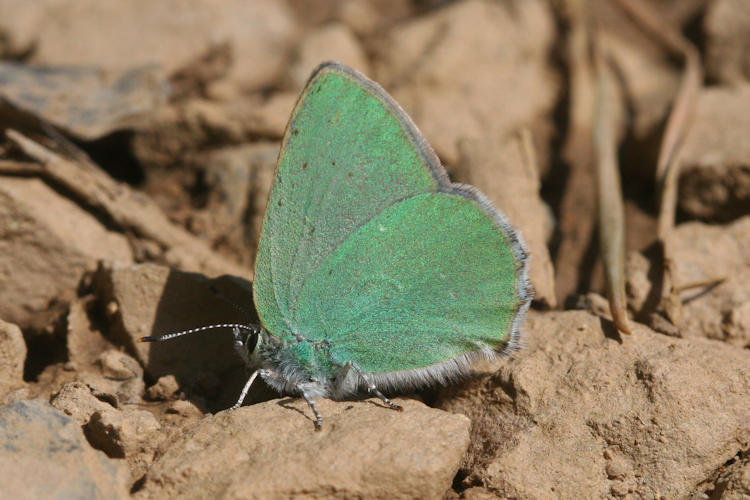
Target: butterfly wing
(343, 160)
(429, 279)
(366, 244)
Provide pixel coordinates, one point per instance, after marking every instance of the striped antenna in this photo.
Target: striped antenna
(158, 338)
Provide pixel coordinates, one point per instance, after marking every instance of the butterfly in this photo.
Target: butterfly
(374, 273)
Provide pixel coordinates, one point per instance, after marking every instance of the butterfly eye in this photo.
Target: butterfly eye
(251, 341)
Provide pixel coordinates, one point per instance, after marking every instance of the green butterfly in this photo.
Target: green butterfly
(374, 272)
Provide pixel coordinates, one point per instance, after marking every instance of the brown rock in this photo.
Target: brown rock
(45, 455)
(124, 35)
(332, 42)
(104, 368)
(82, 101)
(727, 32)
(734, 482)
(85, 343)
(712, 267)
(511, 181)
(366, 14)
(703, 253)
(184, 409)
(78, 401)
(240, 179)
(270, 450)
(164, 389)
(113, 391)
(46, 244)
(368, 18)
(129, 433)
(12, 358)
(117, 375)
(582, 403)
(617, 467)
(715, 172)
(186, 129)
(472, 69)
(361, 16)
(179, 130)
(269, 119)
(119, 366)
(478, 493)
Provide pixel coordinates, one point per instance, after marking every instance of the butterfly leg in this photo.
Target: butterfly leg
(263, 373)
(371, 388)
(268, 374)
(311, 402)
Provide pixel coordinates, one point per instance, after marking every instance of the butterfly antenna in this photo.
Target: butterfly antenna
(218, 293)
(158, 338)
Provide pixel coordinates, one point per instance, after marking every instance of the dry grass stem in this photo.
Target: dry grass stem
(611, 209)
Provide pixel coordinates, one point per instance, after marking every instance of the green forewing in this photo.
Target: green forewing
(365, 244)
(344, 159)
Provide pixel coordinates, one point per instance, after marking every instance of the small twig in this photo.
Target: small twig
(679, 118)
(10, 167)
(668, 166)
(701, 283)
(611, 207)
(678, 122)
(578, 204)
